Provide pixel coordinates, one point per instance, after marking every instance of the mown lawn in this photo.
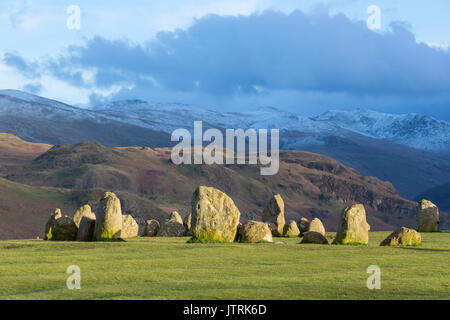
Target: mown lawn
(170, 268)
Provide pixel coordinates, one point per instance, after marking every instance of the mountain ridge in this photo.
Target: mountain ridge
(140, 123)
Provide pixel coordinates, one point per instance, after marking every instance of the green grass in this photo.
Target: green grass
(170, 268)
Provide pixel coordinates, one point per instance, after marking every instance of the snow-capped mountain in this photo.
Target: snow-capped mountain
(403, 149)
(168, 117)
(413, 130)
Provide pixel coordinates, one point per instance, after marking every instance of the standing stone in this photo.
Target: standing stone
(353, 227)
(64, 229)
(175, 216)
(214, 215)
(130, 228)
(50, 223)
(303, 225)
(254, 231)
(109, 218)
(152, 228)
(291, 229)
(172, 227)
(403, 237)
(187, 222)
(86, 229)
(316, 226)
(428, 217)
(314, 237)
(274, 213)
(84, 211)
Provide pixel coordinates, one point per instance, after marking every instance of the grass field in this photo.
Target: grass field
(170, 268)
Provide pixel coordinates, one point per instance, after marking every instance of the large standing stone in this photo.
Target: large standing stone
(109, 218)
(402, 237)
(254, 231)
(187, 222)
(84, 211)
(64, 229)
(172, 227)
(428, 216)
(353, 227)
(316, 226)
(274, 213)
(314, 237)
(50, 223)
(152, 228)
(214, 215)
(291, 229)
(303, 225)
(86, 229)
(130, 228)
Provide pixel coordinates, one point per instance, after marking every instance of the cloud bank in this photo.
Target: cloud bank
(295, 61)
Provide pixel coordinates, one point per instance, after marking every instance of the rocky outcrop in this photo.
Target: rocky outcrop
(403, 237)
(428, 216)
(130, 228)
(50, 223)
(84, 211)
(314, 237)
(254, 231)
(172, 227)
(215, 217)
(317, 226)
(86, 229)
(353, 227)
(274, 213)
(108, 224)
(152, 228)
(291, 229)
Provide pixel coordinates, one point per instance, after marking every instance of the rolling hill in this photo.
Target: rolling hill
(151, 186)
(411, 150)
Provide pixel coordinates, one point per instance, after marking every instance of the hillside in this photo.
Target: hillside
(42, 120)
(150, 186)
(411, 151)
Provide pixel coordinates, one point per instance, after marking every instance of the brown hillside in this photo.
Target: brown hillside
(150, 185)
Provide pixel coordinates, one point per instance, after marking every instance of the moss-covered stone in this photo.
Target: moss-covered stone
(353, 227)
(187, 222)
(152, 228)
(428, 217)
(55, 215)
(64, 229)
(108, 224)
(214, 215)
(303, 225)
(314, 237)
(317, 226)
(403, 237)
(254, 232)
(86, 229)
(84, 211)
(291, 229)
(274, 213)
(130, 228)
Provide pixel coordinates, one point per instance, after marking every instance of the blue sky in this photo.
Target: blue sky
(303, 56)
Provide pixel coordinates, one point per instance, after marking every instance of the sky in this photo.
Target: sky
(303, 56)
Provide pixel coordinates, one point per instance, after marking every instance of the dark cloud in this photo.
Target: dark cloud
(34, 88)
(270, 58)
(28, 69)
